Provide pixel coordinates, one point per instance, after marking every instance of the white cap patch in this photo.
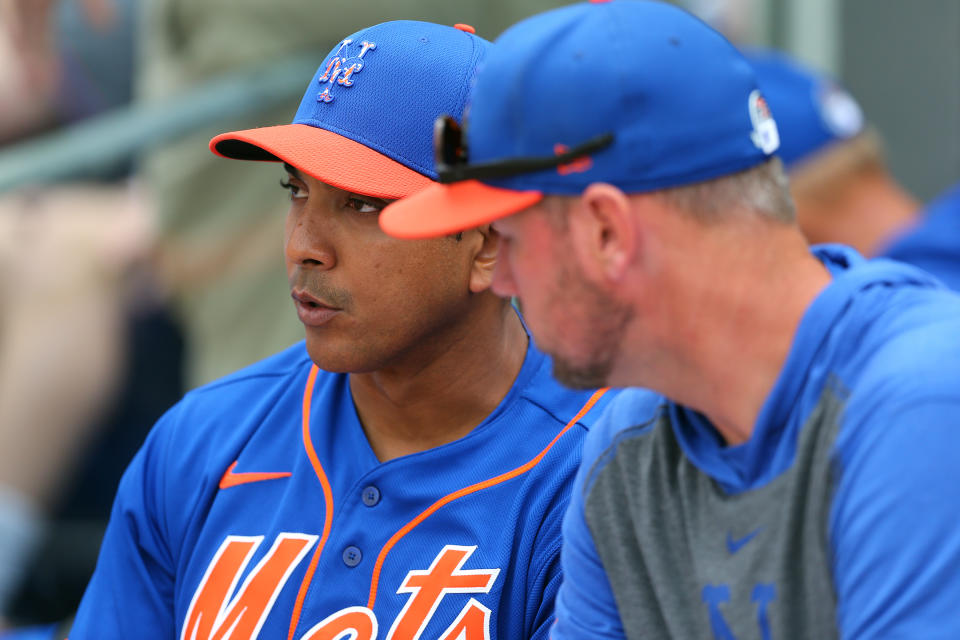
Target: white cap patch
(840, 112)
(765, 134)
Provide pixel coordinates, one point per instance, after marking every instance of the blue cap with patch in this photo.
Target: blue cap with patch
(812, 110)
(635, 93)
(365, 123)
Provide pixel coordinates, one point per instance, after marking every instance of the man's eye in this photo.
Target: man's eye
(295, 190)
(362, 206)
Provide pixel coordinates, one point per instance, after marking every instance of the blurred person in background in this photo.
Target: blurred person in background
(89, 357)
(841, 184)
(61, 358)
(64, 61)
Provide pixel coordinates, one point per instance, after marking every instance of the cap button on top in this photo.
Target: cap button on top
(464, 27)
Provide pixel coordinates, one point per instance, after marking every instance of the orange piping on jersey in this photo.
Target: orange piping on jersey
(327, 498)
(407, 528)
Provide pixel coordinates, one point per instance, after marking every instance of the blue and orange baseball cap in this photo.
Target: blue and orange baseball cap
(812, 109)
(365, 123)
(635, 93)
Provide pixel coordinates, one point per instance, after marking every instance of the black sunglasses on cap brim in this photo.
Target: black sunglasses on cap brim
(452, 160)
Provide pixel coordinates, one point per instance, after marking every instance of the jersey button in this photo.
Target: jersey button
(352, 556)
(371, 496)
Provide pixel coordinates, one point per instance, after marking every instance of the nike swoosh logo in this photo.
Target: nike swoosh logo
(735, 545)
(231, 479)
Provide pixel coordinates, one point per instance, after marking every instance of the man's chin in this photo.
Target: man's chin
(329, 359)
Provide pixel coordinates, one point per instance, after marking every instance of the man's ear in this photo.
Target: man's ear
(603, 232)
(485, 258)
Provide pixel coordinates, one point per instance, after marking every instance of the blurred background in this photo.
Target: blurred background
(135, 265)
(901, 60)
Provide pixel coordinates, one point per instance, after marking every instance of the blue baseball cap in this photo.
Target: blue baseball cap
(365, 123)
(812, 110)
(635, 93)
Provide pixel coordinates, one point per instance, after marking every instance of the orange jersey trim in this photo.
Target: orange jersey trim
(231, 479)
(410, 526)
(327, 498)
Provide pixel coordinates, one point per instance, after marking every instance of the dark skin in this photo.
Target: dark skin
(430, 350)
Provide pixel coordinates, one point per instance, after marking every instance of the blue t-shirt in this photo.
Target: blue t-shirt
(837, 518)
(256, 508)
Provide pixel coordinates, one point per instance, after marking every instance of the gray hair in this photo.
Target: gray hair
(762, 190)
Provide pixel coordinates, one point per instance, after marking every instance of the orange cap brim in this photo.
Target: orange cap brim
(325, 155)
(442, 209)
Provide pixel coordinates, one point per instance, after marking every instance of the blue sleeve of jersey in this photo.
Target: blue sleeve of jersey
(585, 607)
(895, 524)
(131, 592)
(551, 583)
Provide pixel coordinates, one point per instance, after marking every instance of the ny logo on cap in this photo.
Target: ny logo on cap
(341, 68)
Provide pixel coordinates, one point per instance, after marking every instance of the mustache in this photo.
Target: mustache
(314, 285)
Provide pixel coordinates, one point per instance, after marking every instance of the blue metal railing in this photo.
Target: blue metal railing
(97, 145)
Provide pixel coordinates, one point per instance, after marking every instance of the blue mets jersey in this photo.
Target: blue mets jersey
(837, 518)
(934, 243)
(257, 509)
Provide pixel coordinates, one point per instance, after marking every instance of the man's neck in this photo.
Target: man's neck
(740, 315)
(414, 407)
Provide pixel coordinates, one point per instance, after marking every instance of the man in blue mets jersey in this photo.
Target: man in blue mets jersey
(401, 474)
(793, 471)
